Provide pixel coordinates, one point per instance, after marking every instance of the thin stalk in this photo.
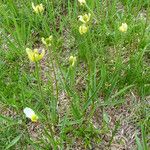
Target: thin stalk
(39, 79)
(38, 76)
(56, 83)
(51, 56)
(41, 94)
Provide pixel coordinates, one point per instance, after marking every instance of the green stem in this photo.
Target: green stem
(57, 93)
(55, 87)
(72, 76)
(38, 76)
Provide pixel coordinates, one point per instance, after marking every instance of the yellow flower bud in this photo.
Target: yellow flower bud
(123, 27)
(72, 60)
(47, 41)
(83, 29)
(85, 18)
(82, 2)
(38, 8)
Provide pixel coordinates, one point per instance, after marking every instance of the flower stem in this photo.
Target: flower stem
(38, 76)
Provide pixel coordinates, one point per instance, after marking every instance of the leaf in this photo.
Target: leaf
(117, 125)
(138, 142)
(121, 91)
(144, 137)
(111, 103)
(13, 142)
(90, 99)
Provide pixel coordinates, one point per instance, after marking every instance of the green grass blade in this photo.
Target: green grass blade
(13, 142)
(121, 91)
(144, 138)
(139, 145)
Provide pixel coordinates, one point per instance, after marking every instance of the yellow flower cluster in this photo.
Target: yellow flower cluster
(84, 19)
(34, 54)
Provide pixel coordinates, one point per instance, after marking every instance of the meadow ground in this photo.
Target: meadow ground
(75, 74)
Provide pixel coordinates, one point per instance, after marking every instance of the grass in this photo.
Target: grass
(91, 105)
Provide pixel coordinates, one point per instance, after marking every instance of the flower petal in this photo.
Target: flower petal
(29, 112)
(43, 40)
(30, 54)
(33, 6)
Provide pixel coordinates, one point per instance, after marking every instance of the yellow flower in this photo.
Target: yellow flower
(38, 8)
(48, 41)
(34, 55)
(72, 60)
(30, 114)
(123, 27)
(83, 29)
(85, 18)
(82, 2)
